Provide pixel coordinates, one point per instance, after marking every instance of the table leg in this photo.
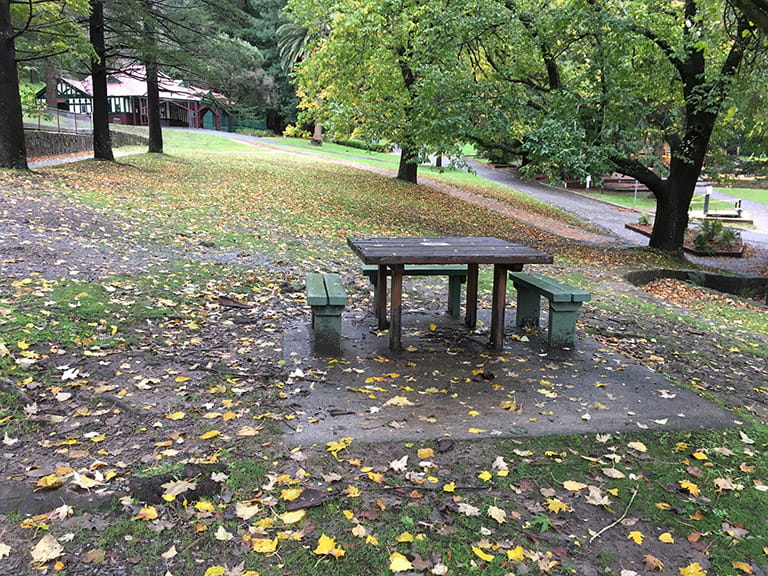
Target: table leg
(470, 321)
(380, 305)
(498, 304)
(396, 307)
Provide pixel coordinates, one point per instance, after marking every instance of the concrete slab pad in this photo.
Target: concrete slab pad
(449, 383)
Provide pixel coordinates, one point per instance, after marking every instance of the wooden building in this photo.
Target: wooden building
(180, 103)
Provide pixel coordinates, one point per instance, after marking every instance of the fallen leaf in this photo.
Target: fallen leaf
(743, 566)
(47, 549)
(694, 569)
(690, 487)
(398, 401)
(327, 546)
(614, 473)
(399, 563)
(636, 536)
(653, 563)
(399, 465)
(497, 514)
(482, 555)
(573, 486)
(223, 535)
(638, 446)
(264, 545)
(556, 506)
(147, 513)
(516, 555)
(5, 550)
(667, 538)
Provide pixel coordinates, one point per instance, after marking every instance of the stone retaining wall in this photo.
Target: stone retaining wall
(41, 143)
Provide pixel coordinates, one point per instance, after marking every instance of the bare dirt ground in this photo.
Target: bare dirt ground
(111, 410)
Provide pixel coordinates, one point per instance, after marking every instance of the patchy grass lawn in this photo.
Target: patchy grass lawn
(143, 412)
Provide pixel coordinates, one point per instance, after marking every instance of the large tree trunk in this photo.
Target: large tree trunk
(153, 86)
(153, 109)
(51, 89)
(102, 140)
(13, 149)
(408, 168)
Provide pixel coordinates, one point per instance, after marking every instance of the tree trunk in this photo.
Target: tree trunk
(51, 89)
(317, 135)
(13, 149)
(102, 140)
(153, 86)
(408, 167)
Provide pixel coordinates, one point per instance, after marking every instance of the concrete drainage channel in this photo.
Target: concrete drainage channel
(745, 286)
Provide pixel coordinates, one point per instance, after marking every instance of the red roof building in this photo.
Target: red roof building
(180, 103)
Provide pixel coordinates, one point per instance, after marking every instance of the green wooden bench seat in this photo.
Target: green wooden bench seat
(564, 303)
(327, 297)
(457, 275)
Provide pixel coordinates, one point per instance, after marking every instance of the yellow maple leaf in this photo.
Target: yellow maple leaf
(450, 487)
(485, 475)
(210, 434)
(49, 482)
(663, 506)
(148, 513)
(398, 401)
(482, 555)
(291, 494)
(666, 538)
(517, 554)
(264, 545)
(204, 506)
(215, 571)
(293, 516)
(176, 416)
(336, 446)
(636, 537)
(573, 486)
(353, 492)
(694, 569)
(425, 453)
(372, 540)
(556, 506)
(743, 566)
(399, 563)
(692, 488)
(405, 537)
(327, 545)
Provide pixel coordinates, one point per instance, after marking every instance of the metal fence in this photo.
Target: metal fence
(55, 120)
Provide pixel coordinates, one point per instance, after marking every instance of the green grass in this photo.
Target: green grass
(753, 194)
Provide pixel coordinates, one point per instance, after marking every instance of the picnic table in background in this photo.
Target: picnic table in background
(393, 254)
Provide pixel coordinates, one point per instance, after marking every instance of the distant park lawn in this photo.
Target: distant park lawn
(753, 194)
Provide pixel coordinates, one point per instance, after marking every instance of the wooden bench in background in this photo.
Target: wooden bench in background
(457, 275)
(564, 303)
(327, 297)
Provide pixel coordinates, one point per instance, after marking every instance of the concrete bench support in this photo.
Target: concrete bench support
(327, 297)
(564, 304)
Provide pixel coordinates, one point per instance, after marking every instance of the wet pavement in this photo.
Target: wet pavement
(448, 383)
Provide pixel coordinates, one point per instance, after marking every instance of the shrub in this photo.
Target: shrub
(365, 145)
(292, 131)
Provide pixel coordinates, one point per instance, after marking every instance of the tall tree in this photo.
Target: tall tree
(371, 75)
(597, 86)
(13, 151)
(102, 140)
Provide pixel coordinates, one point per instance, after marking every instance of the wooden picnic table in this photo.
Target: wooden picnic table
(395, 253)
